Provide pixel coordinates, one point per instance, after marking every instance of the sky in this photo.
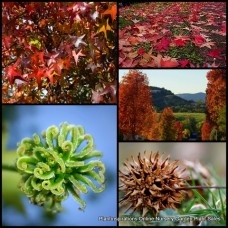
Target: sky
(178, 81)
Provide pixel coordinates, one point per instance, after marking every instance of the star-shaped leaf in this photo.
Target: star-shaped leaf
(112, 12)
(79, 41)
(215, 53)
(104, 29)
(76, 56)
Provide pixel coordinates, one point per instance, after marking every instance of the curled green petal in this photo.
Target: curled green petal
(21, 150)
(80, 187)
(26, 164)
(68, 149)
(36, 184)
(89, 182)
(63, 133)
(51, 133)
(100, 178)
(40, 174)
(53, 183)
(37, 140)
(76, 197)
(95, 153)
(59, 190)
(57, 159)
(74, 163)
(90, 166)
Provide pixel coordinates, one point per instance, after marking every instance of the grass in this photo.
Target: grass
(199, 117)
(124, 23)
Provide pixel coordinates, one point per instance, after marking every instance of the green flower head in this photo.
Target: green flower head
(54, 166)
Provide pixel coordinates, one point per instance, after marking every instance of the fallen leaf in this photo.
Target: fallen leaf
(215, 53)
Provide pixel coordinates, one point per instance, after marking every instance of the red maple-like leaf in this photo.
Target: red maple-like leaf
(76, 56)
(12, 72)
(170, 63)
(199, 40)
(163, 45)
(38, 73)
(141, 51)
(179, 42)
(215, 53)
(184, 62)
(112, 12)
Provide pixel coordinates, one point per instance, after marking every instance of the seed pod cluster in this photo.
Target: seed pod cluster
(151, 185)
(58, 164)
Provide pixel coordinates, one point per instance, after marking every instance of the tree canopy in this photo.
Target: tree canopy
(59, 52)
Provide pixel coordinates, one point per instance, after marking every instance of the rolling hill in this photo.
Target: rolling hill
(162, 98)
(192, 96)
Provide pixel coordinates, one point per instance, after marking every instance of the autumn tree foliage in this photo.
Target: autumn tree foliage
(59, 52)
(215, 100)
(150, 128)
(166, 125)
(179, 130)
(134, 103)
(206, 129)
(216, 93)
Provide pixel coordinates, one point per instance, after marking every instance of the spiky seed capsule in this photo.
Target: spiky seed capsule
(150, 185)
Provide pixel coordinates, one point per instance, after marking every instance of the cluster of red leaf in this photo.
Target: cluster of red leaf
(164, 25)
(59, 52)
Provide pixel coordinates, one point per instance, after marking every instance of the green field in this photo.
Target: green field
(199, 117)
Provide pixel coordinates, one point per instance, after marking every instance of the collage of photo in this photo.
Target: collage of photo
(114, 113)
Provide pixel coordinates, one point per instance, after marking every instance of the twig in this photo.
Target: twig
(198, 187)
(9, 167)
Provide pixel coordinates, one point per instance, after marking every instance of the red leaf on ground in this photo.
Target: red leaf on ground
(163, 45)
(215, 53)
(198, 40)
(169, 63)
(141, 51)
(179, 42)
(184, 62)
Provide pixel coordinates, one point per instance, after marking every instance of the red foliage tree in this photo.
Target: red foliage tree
(134, 103)
(150, 127)
(206, 129)
(216, 93)
(215, 100)
(179, 130)
(59, 52)
(166, 125)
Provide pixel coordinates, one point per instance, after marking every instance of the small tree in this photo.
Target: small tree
(134, 103)
(166, 125)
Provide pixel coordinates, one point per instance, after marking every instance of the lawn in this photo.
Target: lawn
(173, 35)
(199, 117)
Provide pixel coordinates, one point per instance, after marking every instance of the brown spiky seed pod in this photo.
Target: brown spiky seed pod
(151, 185)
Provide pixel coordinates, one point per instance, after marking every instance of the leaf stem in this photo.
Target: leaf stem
(9, 167)
(198, 187)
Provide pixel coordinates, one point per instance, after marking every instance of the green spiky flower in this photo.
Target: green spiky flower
(54, 166)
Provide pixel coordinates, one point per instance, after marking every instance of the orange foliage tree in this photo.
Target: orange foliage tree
(166, 125)
(216, 93)
(59, 52)
(150, 129)
(179, 130)
(134, 103)
(215, 100)
(206, 129)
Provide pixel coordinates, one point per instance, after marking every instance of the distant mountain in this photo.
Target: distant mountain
(162, 98)
(192, 96)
